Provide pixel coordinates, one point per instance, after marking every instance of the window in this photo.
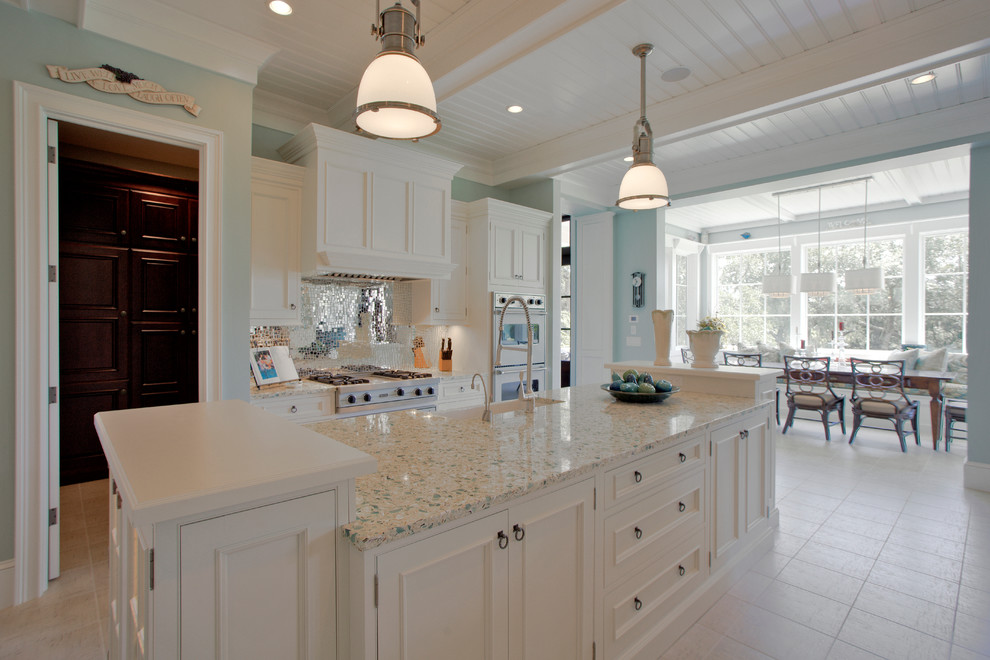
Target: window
(872, 322)
(749, 315)
(565, 290)
(946, 290)
(680, 299)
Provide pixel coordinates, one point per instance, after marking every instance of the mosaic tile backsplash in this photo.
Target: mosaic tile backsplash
(352, 322)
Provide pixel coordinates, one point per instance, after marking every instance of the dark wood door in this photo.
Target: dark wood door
(127, 297)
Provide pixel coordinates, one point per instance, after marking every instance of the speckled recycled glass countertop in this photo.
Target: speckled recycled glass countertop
(433, 469)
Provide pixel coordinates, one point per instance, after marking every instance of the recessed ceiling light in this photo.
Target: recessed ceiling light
(677, 74)
(923, 78)
(280, 7)
(514, 109)
(628, 159)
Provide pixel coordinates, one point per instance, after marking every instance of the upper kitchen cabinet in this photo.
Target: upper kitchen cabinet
(276, 214)
(440, 300)
(512, 239)
(371, 207)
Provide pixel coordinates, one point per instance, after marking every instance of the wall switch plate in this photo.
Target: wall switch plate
(632, 329)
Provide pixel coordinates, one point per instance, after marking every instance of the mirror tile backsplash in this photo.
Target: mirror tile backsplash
(352, 322)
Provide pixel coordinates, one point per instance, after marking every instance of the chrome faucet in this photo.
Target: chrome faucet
(527, 386)
(487, 415)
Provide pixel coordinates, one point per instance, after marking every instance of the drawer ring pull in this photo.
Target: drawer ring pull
(680, 570)
(637, 604)
(682, 456)
(638, 532)
(681, 506)
(518, 532)
(293, 409)
(503, 540)
(637, 476)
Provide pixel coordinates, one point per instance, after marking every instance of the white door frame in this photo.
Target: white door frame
(33, 107)
(590, 312)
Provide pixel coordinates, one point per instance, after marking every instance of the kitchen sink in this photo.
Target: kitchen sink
(496, 408)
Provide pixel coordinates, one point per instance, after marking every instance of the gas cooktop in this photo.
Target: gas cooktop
(338, 379)
(400, 374)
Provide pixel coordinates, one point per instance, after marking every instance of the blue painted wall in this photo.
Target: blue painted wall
(635, 241)
(29, 41)
(978, 415)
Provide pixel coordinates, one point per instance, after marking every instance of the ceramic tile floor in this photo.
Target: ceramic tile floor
(879, 554)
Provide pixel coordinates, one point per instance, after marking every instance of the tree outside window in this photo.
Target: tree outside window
(750, 316)
(946, 290)
(680, 299)
(872, 322)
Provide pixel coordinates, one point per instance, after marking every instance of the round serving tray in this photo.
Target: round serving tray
(641, 397)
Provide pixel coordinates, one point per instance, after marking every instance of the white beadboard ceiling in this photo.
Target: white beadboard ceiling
(776, 87)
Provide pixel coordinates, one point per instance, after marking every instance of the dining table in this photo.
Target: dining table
(929, 381)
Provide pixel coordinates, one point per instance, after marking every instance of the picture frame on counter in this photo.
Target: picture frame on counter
(272, 364)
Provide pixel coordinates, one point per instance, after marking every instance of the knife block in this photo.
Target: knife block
(445, 363)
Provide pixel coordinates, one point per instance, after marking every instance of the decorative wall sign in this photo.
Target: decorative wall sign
(116, 81)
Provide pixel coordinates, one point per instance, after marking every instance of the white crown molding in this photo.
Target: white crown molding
(167, 31)
(941, 33)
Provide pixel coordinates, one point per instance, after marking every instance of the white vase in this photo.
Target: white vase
(661, 335)
(704, 346)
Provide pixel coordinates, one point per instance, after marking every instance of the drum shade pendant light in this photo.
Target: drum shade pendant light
(644, 186)
(395, 98)
(818, 283)
(779, 285)
(864, 281)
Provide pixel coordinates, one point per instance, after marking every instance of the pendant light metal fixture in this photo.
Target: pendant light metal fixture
(779, 285)
(644, 186)
(395, 98)
(865, 280)
(818, 283)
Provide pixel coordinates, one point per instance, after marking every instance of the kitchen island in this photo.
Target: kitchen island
(587, 528)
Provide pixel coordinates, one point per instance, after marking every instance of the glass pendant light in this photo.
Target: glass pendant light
(395, 98)
(779, 285)
(818, 283)
(644, 186)
(865, 280)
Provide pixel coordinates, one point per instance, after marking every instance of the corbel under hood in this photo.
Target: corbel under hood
(372, 207)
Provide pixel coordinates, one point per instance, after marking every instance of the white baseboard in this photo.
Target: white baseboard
(976, 475)
(6, 583)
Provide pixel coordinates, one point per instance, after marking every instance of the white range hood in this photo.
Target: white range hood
(372, 207)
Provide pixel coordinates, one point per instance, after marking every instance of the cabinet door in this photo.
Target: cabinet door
(530, 264)
(446, 596)
(276, 214)
(159, 221)
(260, 583)
(551, 575)
(450, 298)
(501, 254)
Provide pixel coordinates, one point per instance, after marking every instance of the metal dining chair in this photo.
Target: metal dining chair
(954, 412)
(808, 388)
(878, 393)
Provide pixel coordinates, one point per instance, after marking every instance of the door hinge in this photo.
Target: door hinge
(151, 569)
(52, 395)
(709, 560)
(52, 155)
(594, 651)
(52, 517)
(594, 506)
(709, 447)
(52, 273)
(376, 590)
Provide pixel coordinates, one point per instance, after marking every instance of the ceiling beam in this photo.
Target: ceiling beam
(899, 182)
(483, 37)
(945, 32)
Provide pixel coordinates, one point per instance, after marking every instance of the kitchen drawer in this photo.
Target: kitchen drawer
(635, 610)
(624, 484)
(457, 393)
(302, 409)
(652, 527)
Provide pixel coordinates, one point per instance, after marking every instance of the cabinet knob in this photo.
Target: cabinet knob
(182, 310)
(193, 239)
(293, 409)
(638, 532)
(123, 313)
(193, 310)
(637, 604)
(292, 306)
(682, 457)
(681, 570)
(182, 238)
(192, 332)
(681, 506)
(182, 332)
(123, 232)
(503, 540)
(123, 392)
(518, 532)
(637, 476)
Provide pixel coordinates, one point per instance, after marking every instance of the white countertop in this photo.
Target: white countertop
(176, 461)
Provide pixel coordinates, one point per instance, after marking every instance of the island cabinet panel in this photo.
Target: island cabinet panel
(740, 504)
(627, 483)
(260, 583)
(516, 584)
(447, 596)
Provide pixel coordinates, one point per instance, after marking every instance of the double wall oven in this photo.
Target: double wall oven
(509, 374)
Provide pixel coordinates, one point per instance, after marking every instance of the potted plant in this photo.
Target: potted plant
(705, 342)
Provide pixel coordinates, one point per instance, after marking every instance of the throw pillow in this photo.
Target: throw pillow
(932, 360)
(910, 357)
(958, 363)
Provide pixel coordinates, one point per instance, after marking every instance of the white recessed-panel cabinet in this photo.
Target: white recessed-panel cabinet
(276, 213)
(517, 584)
(444, 301)
(513, 241)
